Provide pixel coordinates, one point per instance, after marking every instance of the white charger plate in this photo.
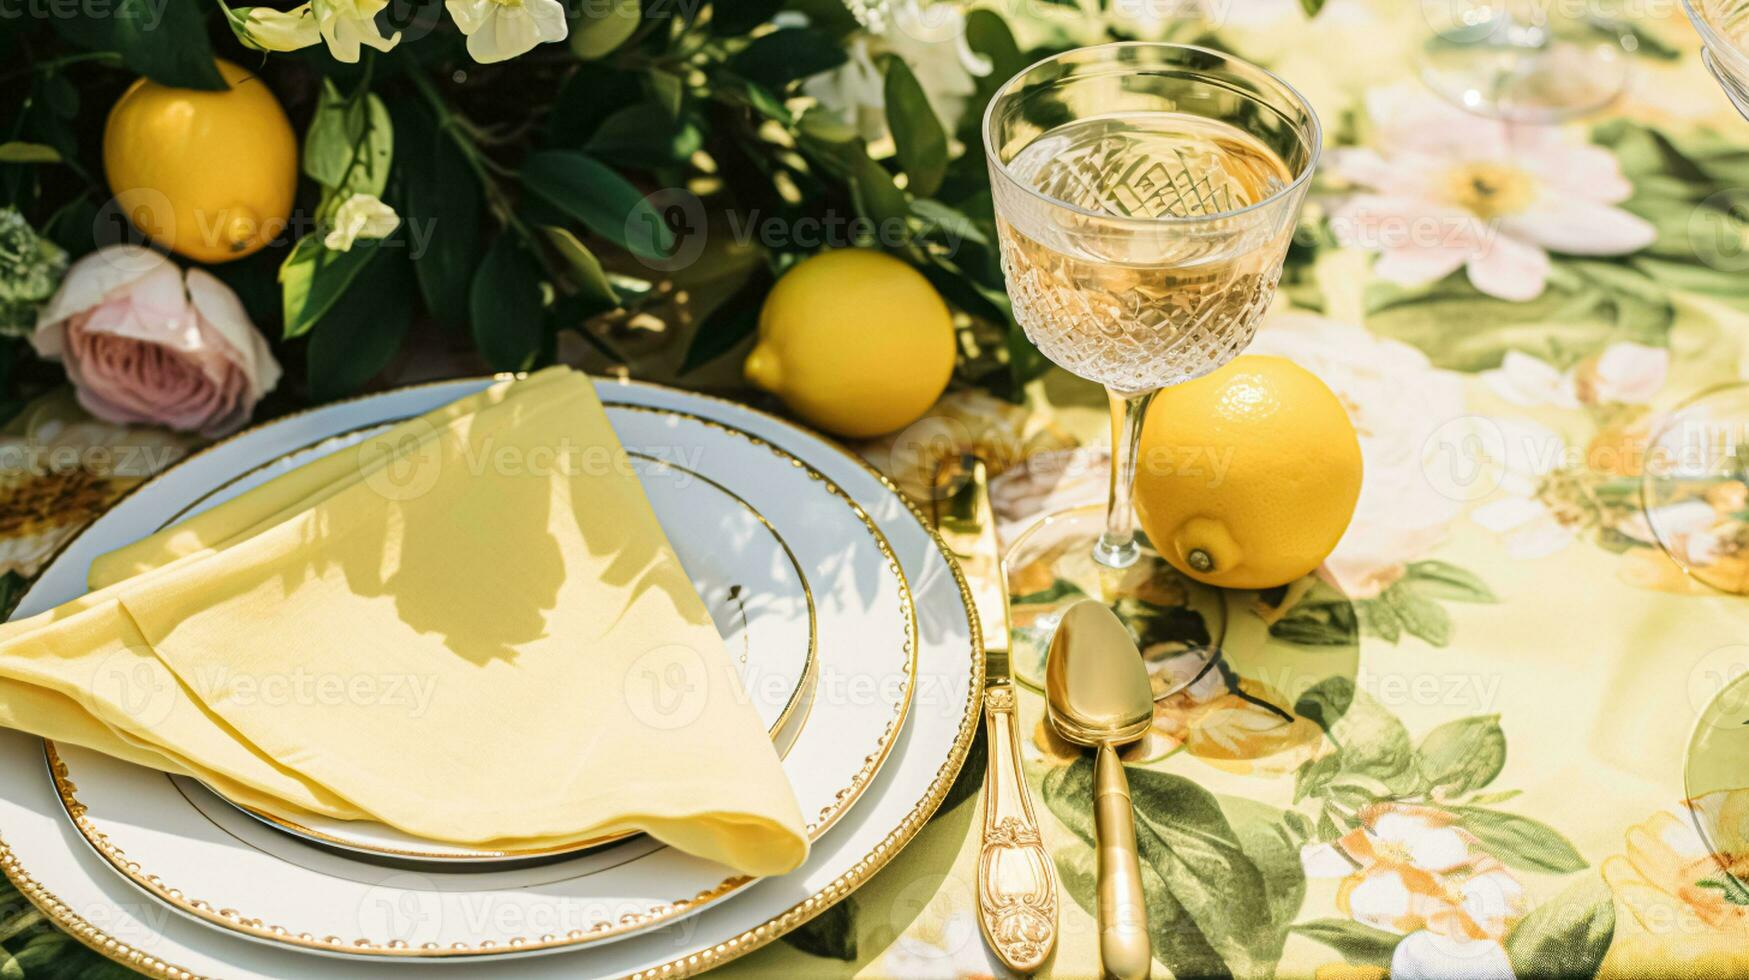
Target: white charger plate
(837, 864)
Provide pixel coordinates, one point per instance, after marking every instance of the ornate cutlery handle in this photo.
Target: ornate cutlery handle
(1017, 885)
(1123, 915)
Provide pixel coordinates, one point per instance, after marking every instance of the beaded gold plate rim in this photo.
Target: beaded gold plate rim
(238, 922)
(719, 953)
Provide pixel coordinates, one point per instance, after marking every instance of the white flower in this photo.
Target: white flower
(267, 29)
(499, 30)
(360, 216)
(1624, 373)
(1524, 379)
(931, 39)
(347, 24)
(1444, 189)
(948, 945)
(1409, 870)
(1428, 956)
(1520, 454)
(1396, 400)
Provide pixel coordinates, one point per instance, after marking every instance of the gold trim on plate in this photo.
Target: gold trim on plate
(620, 925)
(716, 954)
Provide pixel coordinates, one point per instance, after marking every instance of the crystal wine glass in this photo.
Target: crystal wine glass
(1525, 61)
(1145, 196)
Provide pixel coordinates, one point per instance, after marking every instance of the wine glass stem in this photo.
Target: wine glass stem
(1117, 547)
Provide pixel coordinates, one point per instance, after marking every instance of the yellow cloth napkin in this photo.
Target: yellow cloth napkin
(471, 628)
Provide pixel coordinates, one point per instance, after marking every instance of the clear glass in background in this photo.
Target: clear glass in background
(1145, 196)
(1723, 26)
(1526, 61)
(1695, 487)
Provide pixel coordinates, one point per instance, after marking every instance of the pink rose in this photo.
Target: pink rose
(142, 344)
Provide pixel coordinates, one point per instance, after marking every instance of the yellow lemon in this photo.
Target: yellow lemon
(855, 342)
(208, 174)
(1248, 476)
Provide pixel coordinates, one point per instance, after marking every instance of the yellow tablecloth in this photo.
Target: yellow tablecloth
(1515, 667)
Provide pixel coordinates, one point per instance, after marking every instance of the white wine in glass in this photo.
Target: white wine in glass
(1145, 197)
(1146, 308)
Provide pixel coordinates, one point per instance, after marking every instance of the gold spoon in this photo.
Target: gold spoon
(1097, 694)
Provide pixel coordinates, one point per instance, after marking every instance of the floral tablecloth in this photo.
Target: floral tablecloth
(1459, 749)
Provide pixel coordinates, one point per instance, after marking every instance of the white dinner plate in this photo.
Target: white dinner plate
(50, 864)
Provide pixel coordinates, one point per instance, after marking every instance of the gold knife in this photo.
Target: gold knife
(1017, 885)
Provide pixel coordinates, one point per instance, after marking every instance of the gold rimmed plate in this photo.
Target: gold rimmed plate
(80, 891)
(229, 870)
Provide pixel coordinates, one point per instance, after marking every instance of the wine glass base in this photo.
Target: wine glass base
(1179, 622)
(1694, 490)
(1561, 80)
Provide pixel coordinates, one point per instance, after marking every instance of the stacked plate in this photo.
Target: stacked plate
(852, 633)
(1724, 34)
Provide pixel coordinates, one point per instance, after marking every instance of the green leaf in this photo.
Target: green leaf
(987, 34)
(1209, 904)
(918, 138)
(831, 934)
(1374, 743)
(876, 197)
(165, 40)
(441, 203)
(724, 328)
(349, 145)
(313, 277)
(1462, 756)
(735, 17)
(1567, 936)
(505, 303)
(1420, 615)
(775, 60)
(600, 28)
(1357, 943)
(606, 203)
(644, 136)
(667, 90)
(587, 276)
(1443, 580)
(363, 329)
(1319, 623)
(1311, 7)
(1520, 841)
(17, 152)
(1732, 889)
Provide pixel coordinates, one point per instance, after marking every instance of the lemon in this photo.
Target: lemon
(854, 341)
(1248, 476)
(210, 175)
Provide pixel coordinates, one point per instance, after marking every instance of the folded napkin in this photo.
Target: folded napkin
(469, 627)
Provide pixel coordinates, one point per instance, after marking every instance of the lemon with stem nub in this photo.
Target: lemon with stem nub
(1249, 475)
(210, 175)
(855, 342)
